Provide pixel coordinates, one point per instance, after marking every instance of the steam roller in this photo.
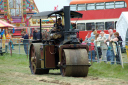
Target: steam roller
(75, 62)
(61, 50)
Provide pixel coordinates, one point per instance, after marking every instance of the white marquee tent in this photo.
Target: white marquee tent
(122, 25)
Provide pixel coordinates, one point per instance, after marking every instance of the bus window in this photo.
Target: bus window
(109, 25)
(73, 7)
(125, 5)
(81, 26)
(90, 6)
(81, 7)
(119, 4)
(109, 5)
(99, 25)
(90, 26)
(99, 5)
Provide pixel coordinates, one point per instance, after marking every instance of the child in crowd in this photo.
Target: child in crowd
(109, 54)
(92, 50)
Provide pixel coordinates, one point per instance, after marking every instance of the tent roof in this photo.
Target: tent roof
(122, 26)
(46, 14)
(124, 15)
(5, 24)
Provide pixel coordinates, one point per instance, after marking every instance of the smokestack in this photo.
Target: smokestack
(67, 17)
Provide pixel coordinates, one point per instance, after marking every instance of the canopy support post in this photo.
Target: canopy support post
(40, 29)
(56, 19)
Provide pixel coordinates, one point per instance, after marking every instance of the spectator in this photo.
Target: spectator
(95, 32)
(39, 36)
(74, 25)
(92, 32)
(108, 54)
(97, 44)
(118, 39)
(45, 35)
(34, 34)
(9, 38)
(116, 49)
(25, 42)
(81, 40)
(111, 36)
(77, 35)
(91, 50)
(103, 45)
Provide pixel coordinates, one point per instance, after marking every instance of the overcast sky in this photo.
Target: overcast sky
(48, 5)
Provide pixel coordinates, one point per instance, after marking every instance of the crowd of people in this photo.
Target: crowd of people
(105, 49)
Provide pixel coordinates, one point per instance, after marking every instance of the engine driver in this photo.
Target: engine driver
(58, 26)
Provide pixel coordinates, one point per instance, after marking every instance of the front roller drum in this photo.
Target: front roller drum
(75, 63)
(34, 60)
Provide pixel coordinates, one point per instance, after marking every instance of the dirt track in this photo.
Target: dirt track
(19, 78)
(83, 81)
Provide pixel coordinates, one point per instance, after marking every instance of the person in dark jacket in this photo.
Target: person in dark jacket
(81, 40)
(117, 39)
(58, 26)
(74, 25)
(25, 38)
(38, 35)
(34, 34)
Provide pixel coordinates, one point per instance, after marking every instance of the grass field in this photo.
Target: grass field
(14, 70)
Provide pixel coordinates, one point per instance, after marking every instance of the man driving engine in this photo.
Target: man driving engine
(56, 33)
(58, 26)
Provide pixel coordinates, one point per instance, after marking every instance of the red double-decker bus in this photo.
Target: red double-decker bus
(97, 14)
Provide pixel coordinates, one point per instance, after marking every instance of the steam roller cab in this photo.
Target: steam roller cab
(62, 50)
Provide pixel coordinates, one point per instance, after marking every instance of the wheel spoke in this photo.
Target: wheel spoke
(33, 60)
(34, 67)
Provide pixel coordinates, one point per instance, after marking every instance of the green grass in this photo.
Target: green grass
(14, 70)
(109, 71)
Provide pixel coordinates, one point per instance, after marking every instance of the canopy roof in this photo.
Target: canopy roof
(5, 24)
(46, 14)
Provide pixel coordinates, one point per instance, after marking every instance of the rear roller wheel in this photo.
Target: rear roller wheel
(34, 60)
(62, 69)
(74, 63)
